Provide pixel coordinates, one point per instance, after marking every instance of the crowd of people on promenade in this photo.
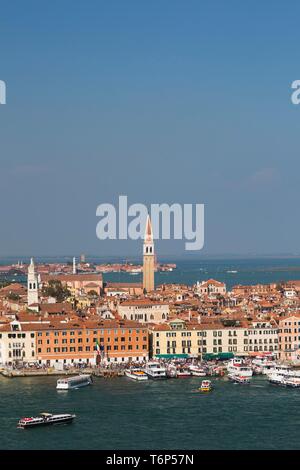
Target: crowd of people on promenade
(110, 366)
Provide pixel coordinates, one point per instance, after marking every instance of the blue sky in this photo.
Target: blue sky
(164, 101)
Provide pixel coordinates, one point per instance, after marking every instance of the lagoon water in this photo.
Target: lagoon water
(251, 271)
(122, 414)
(230, 271)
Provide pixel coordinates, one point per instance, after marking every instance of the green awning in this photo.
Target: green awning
(172, 356)
(225, 356)
(209, 356)
(222, 356)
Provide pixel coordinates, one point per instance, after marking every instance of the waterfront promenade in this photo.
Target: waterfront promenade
(33, 372)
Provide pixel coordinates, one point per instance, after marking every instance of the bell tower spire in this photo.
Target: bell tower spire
(32, 287)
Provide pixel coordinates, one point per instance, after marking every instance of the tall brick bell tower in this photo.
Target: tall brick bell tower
(148, 258)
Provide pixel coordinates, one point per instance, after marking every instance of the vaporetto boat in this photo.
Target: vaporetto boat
(45, 419)
(285, 379)
(283, 370)
(74, 382)
(136, 374)
(237, 367)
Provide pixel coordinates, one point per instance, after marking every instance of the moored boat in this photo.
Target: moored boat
(239, 379)
(183, 373)
(77, 381)
(282, 369)
(136, 374)
(276, 379)
(238, 367)
(197, 371)
(155, 371)
(293, 382)
(263, 364)
(171, 371)
(286, 380)
(45, 419)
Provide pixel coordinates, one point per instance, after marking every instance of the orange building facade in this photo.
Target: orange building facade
(91, 342)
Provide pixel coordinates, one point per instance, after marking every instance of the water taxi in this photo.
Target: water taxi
(77, 381)
(45, 419)
(206, 386)
(136, 374)
(155, 371)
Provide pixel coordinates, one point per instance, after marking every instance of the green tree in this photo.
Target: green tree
(57, 290)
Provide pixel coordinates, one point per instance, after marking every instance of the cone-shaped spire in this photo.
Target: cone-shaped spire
(148, 232)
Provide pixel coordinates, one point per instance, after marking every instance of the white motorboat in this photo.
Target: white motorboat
(183, 373)
(239, 379)
(77, 381)
(136, 374)
(155, 371)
